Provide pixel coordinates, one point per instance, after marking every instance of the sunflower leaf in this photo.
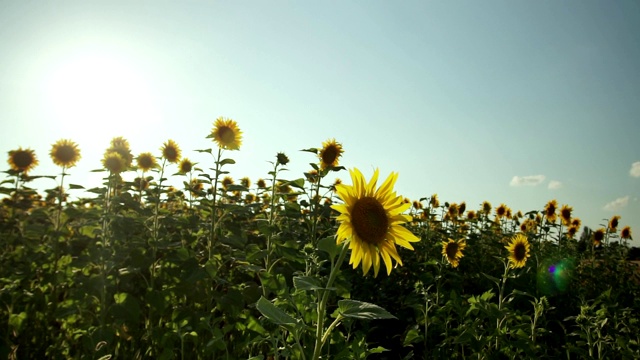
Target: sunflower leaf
(362, 310)
(205, 150)
(306, 283)
(274, 313)
(311, 150)
(227, 161)
(75, 186)
(329, 246)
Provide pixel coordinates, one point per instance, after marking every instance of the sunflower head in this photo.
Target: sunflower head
(261, 184)
(486, 207)
(461, 208)
(226, 134)
(196, 187)
(114, 162)
(330, 154)
(613, 224)
(121, 146)
(146, 161)
(185, 166)
(140, 183)
(226, 182)
(65, 153)
(550, 211)
(246, 182)
(519, 250)
(565, 214)
(598, 236)
(434, 202)
(576, 222)
(501, 210)
(282, 158)
(471, 215)
(453, 211)
(171, 151)
(572, 231)
(452, 251)
(22, 160)
(371, 218)
(625, 233)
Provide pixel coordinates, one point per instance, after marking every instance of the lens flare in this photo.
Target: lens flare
(554, 276)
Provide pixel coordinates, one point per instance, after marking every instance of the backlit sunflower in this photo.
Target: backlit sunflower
(565, 214)
(519, 251)
(452, 211)
(114, 162)
(625, 233)
(434, 202)
(65, 153)
(226, 182)
(461, 208)
(330, 154)
(146, 161)
(261, 184)
(576, 222)
(613, 223)
(171, 151)
(550, 211)
(598, 236)
(121, 146)
(185, 166)
(452, 250)
(282, 158)
(572, 231)
(501, 210)
(246, 182)
(22, 160)
(371, 218)
(486, 207)
(227, 134)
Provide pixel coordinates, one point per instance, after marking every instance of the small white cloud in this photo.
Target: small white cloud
(617, 204)
(554, 185)
(531, 180)
(635, 169)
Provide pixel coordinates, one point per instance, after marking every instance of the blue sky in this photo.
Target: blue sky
(492, 100)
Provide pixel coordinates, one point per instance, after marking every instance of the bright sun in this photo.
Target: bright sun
(100, 96)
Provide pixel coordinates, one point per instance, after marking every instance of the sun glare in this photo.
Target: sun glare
(99, 96)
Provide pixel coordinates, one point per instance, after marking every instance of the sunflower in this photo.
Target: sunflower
(519, 251)
(565, 214)
(246, 182)
(249, 198)
(613, 224)
(471, 215)
(171, 151)
(452, 250)
(576, 222)
(372, 219)
(140, 183)
(434, 202)
(114, 162)
(227, 134)
(282, 158)
(501, 211)
(625, 233)
(330, 154)
(598, 236)
(196, 186)
(65, 153)
(261, 184)
(461, 208)
(121, 146)
(185, 166)
(146, 161)
(22, 160)
(572, 231)
(486, 207)
(453, 211)
(226, 182)
(550, 211)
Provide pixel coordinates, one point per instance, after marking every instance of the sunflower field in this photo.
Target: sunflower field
(219, 269)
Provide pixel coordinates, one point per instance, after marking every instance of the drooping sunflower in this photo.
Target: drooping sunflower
(146, 161)
(22, 160)
(65, 153)
(598, 236)
(550, 211)
(625, 233)
(171, 151)
(462, 208)
(613, 223)
(330, 154)
(519, 250)
(372, 219)
(185, 166)
(114, 162)
(565, 214)
(226, 134)
(452, 251)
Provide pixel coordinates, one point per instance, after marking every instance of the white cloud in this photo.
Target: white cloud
(617, 204)
(635, 169)
(555, 185)
(531, 180)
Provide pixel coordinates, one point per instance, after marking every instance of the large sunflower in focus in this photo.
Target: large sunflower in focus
(371, 218)
(65, 153)
(519, 251)
(330, 153)
(452, 250)
(22, 160)
(227, 134)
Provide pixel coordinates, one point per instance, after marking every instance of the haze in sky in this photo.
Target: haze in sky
(510, 102)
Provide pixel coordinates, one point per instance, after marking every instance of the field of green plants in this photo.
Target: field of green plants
(296, 267)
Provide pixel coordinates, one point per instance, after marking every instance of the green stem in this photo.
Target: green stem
(272, 214)
(322, 305)
(214, 207)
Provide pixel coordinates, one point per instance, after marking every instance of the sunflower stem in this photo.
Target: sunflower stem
(321, 336)
(214, 207)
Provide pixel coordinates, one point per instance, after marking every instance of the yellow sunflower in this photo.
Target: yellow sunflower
(613, 224)
(625, 233)
(519, 251)
(261, 184)
(501, 210)
(572, 231)
(121, 146)
(186, 166)
(171, 151)
(22, 160)
(330, 154)
(371, 218)
(114, 162)
(282, 158)
(576, 222)
(452, 250)
(246, 182)
(434, 202)
(146, 161)
(227, 134)
(226, 182)
(486, 207)
(598, 236)
(65, 153)
(550, 211)
(565, 214)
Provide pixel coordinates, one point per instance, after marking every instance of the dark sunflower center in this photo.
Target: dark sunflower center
(452, 250)
(227, 136)
(519, 252)
(146, 162)
(65, 154)
(22, 159)
(329, 155)
(369, 220)
(170, 153)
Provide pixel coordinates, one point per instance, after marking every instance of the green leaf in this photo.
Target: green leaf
(311, 150)
(274, 313)
(306, 283)
(298, 183)
(74, 186)
(227, 161)
(362, 310)
(329, 246)
(413, 336)
(205, 151)
(492, 278)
